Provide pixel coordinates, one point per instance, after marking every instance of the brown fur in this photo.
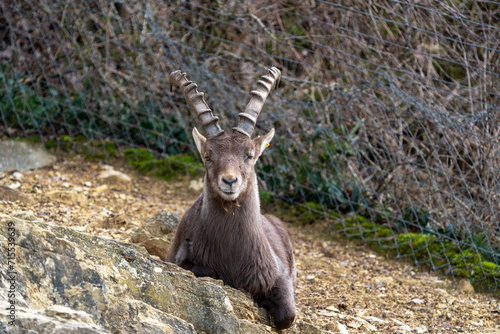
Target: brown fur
(224, 235)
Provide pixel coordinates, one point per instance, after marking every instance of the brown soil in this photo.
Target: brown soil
(341, 286)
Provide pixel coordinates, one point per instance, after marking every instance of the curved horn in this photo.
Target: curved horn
(195, 99)
(248, 118)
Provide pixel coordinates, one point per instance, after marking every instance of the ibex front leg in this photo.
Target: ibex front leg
(279, 302)
(282, 295)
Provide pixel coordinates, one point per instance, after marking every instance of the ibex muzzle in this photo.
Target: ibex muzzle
(223, 234)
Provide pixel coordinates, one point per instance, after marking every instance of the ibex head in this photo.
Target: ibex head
(229, 158)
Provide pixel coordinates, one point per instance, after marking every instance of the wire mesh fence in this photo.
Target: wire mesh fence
(387, 117)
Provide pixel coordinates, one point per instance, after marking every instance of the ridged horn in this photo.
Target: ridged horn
(248, 118)
(195, 99)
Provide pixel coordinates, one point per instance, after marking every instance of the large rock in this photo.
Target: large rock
(19, 155)
(157, 233)
(67, 281)
(163, 223)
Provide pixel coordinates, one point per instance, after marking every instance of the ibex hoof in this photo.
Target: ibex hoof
(283, 318)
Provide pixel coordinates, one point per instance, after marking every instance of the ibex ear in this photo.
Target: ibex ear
(262, 142)
(199, 140)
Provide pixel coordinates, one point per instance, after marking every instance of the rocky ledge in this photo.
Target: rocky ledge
(67, 281)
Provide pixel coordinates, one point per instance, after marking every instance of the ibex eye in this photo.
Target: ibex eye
(207, 158)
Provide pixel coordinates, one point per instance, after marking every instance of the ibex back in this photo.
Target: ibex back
(223, 234)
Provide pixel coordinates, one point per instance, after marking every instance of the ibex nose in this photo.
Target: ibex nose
(229, 182)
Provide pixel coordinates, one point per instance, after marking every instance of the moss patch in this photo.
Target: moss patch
(165, 168)
(430, 250)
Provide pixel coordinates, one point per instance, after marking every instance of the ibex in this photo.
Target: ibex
(223, 234)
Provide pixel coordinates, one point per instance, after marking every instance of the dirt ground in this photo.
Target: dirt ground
(342, 287)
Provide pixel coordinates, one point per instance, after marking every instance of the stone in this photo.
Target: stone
(333, 308)
(417, 301)
(114, 178)
(158, 247)
(100, 189)
(17, 175)
(12, 195)
(86, 284)
(53, 319)
(15, 185)
(328, 314)
(341, 328)
(354, 324)
(331, 326)
(441, 291)
(113, 221)
(21, 156)
(68, 197)
(465, 286)
(162, 222)
(384, 280)
(374, 319)
(369, 326)
(157, 234)
(306, 328)
(357, 322)
(196, 185)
